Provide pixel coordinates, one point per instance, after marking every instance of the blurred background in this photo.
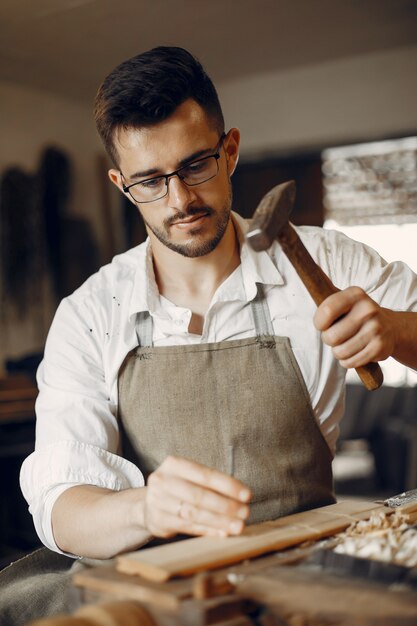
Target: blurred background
(324, 92)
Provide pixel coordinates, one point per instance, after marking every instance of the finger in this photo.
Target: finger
(194, 514)
(167, 525)
(373, 350)
(355, 335)
(350, 348)
(174, 488)
(361, 320)
(206, 477)
(345, 329)
(337, 305)
(363, 357)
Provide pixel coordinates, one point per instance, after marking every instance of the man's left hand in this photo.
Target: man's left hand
(355, 327)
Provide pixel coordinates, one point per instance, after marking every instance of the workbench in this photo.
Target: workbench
(304, 584)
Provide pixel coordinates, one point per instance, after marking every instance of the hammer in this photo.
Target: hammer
(270, 222)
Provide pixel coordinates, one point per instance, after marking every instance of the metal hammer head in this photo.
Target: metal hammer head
(271, 215)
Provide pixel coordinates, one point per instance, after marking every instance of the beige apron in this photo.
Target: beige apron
(239, 406)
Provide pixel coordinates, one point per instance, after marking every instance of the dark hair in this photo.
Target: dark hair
(147, 89)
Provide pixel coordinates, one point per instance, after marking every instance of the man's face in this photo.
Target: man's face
(188, 220)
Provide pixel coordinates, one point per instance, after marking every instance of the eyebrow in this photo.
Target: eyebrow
(189, 159)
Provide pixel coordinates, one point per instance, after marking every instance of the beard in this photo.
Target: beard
(198, 245)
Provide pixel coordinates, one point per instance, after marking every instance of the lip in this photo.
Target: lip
(190, 221)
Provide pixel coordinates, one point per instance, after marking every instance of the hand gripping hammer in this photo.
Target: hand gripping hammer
(270, 222)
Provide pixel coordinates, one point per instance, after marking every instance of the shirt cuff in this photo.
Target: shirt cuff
(49, 471)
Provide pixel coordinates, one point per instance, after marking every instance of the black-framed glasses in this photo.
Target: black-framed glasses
(194, 173)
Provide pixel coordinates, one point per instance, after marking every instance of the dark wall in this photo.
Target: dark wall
(253, 179)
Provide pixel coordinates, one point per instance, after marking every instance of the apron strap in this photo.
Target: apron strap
(144, 329)
(260, 312)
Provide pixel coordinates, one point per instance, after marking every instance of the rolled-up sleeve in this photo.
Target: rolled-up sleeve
(50, 470)
(77, 434)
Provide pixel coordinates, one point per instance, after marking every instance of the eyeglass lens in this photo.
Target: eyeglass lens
(194, 173)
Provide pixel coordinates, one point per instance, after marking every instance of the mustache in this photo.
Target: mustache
(191, 212)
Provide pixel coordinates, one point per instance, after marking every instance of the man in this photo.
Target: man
(185, 387)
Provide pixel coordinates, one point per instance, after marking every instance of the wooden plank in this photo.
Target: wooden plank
(305, 596)
(109, 583)
(105, 583)
(196, 555)
(190, 556)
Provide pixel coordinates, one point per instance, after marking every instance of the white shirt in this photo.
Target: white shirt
(77, 435)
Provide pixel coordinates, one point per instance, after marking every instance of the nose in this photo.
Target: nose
(180, 196)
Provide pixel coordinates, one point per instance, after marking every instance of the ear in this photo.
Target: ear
(116, 178)
(231, 146)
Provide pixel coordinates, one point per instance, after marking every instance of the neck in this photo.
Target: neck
(192, 282)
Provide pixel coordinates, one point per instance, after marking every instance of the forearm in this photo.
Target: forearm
(405, 331)
(99, 523)
(181, 496)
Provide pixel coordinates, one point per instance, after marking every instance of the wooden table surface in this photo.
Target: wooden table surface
(283, 588)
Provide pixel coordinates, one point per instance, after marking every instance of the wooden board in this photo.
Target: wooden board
(104, 583)
(107, 583)
(190, 556)
(307, 596)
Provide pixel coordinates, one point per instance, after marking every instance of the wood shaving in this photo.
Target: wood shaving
(383, 538)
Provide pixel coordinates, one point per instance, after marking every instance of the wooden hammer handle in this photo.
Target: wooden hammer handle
(320, 287)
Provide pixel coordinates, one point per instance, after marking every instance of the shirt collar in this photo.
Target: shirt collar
(255, 267)
(145, 294)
